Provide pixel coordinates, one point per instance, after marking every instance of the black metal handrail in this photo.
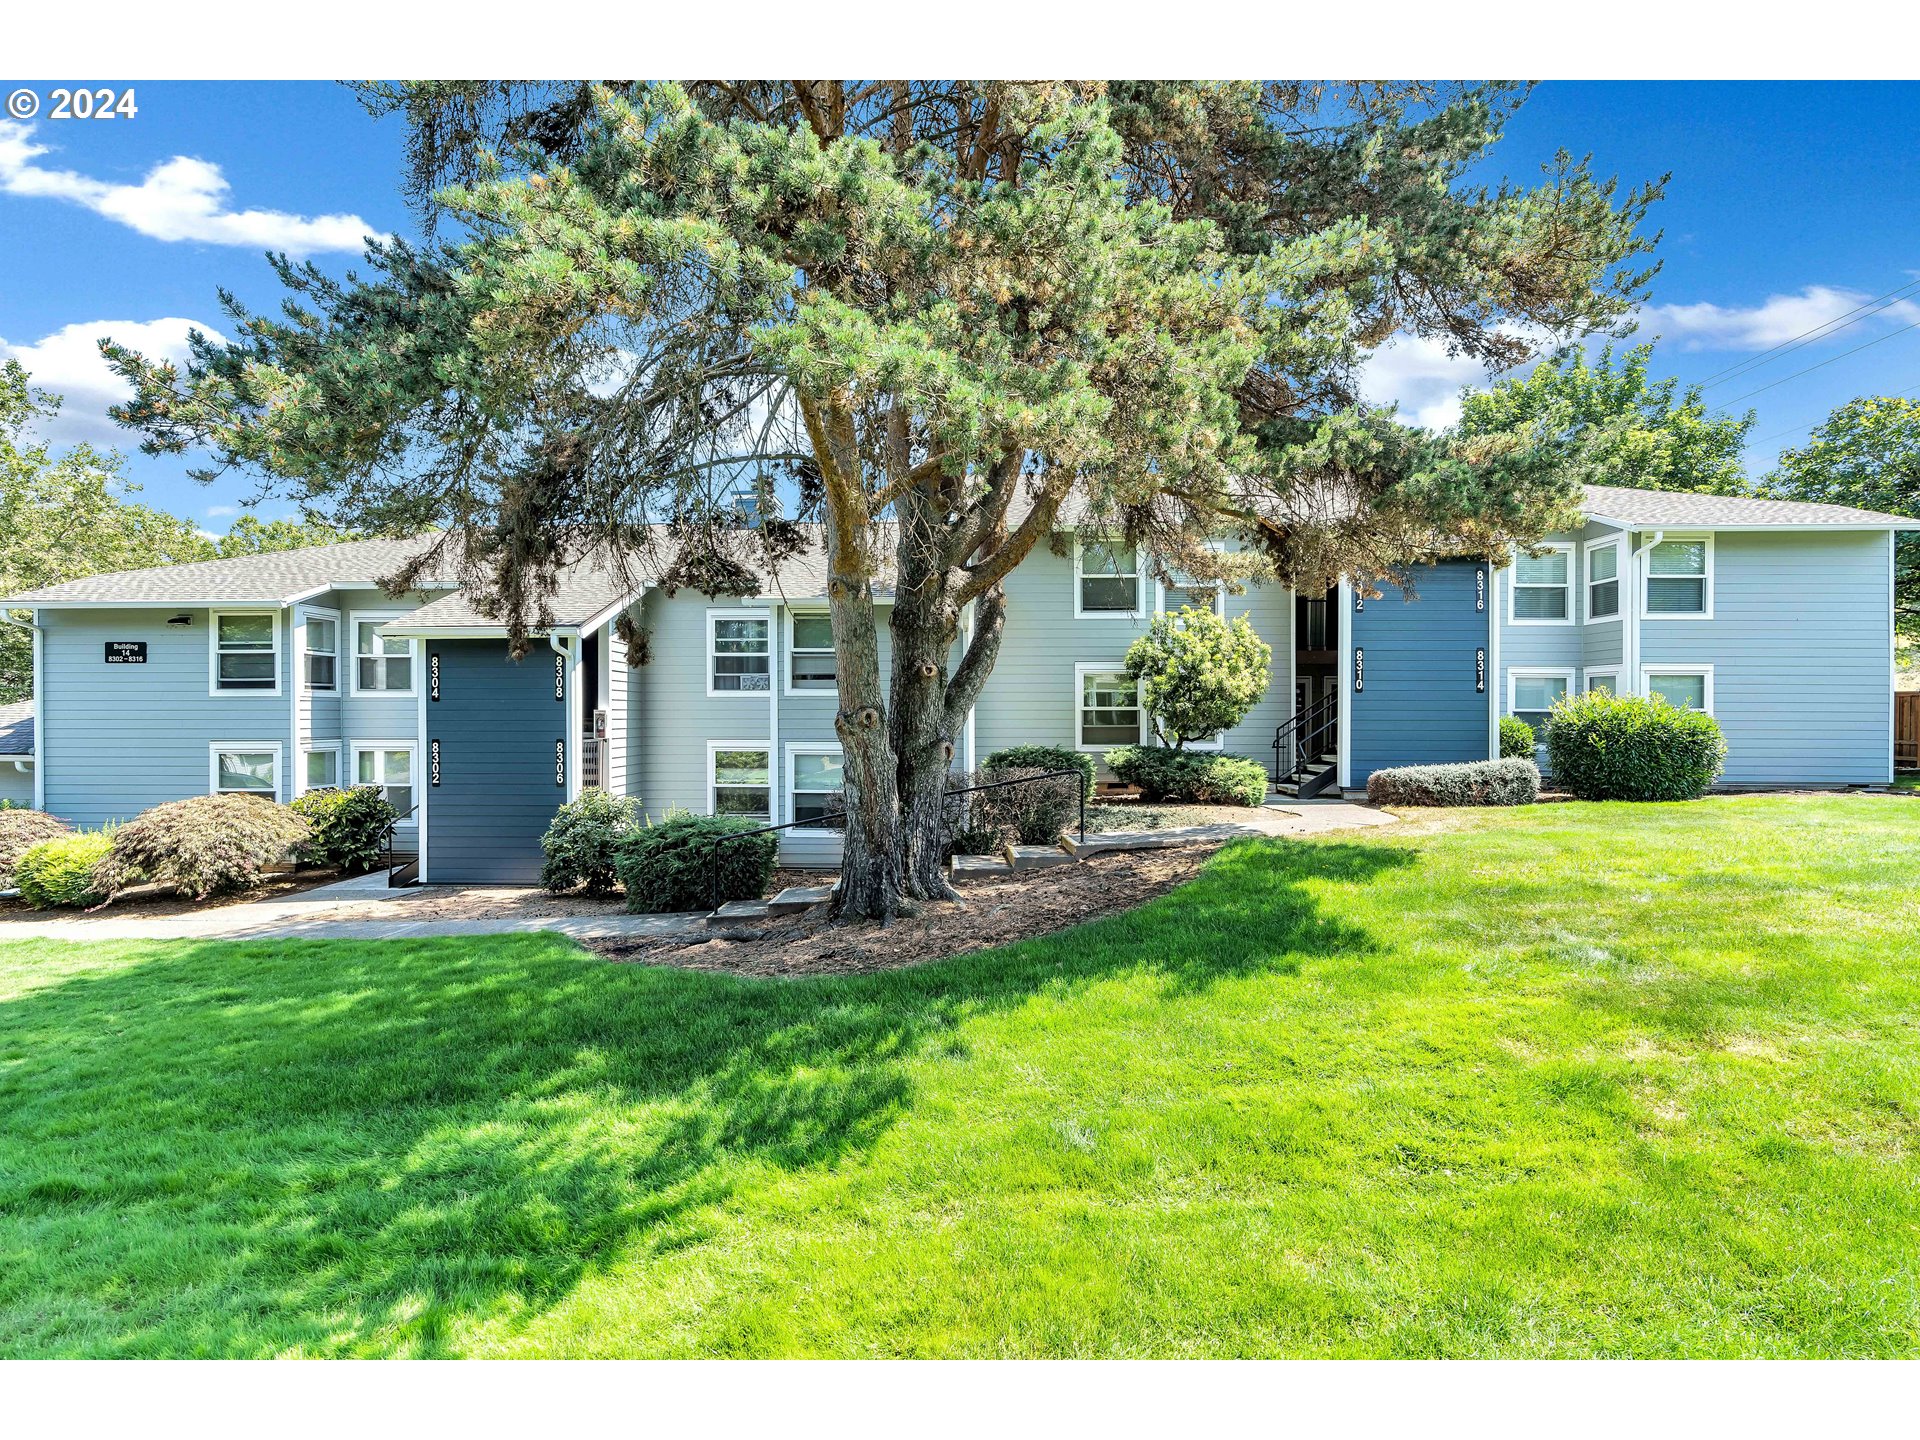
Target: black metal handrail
(1305, 729)
(398, 821)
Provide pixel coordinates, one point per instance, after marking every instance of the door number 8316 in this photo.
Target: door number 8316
(101, 104)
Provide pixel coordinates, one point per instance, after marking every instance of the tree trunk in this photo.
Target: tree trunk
(925, 625)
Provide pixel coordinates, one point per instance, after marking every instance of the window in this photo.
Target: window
(739, 780)
(1680, 579)
(1316, 625)
(1106, 578)
(737, 653)
(1532, 694)
(322, 652)
(1607, 681)
(815, 778)
(1603, 581)
(1686, 687)
(382, 664)
(1543, 588)
(810, 652)
(1108, 707)
(321, 770)
(388, 765)
(246, 651)
(244, 767)
(1183, 590)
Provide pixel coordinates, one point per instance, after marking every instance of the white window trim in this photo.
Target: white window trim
(214, 747)
(1135, 615)
(1107, 668)
(306, 613)
(787, 687)
(808, 747)
(214, 686)
(1619, 581)
(355, 748)
(1647, 577)
(1514, 586)
(1563, 673)
(1161, 587)
(339, 763)
(354, 619)
(714, 747)
(766, 616)
(1679, 667)
(1596, 672)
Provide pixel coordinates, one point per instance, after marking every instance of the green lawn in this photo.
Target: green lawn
(1567, 1081)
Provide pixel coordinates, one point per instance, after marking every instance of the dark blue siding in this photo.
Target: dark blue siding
(497, 723)
(1417, 701)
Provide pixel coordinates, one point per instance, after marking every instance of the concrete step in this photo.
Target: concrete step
(1119, 840)
(799, 897)
(735, 910)
(965, 868)
(1036, 857)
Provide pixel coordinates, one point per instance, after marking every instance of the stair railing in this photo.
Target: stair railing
(1305, 734)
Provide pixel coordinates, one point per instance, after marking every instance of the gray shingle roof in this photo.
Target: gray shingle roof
(270, 579)
(1668, 507)
(16, 728)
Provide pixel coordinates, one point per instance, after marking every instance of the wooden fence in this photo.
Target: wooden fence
(1906, 730)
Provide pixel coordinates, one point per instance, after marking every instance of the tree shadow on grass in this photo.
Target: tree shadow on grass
(338, 1147)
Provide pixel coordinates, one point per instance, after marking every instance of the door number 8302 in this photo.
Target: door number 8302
(101, 104)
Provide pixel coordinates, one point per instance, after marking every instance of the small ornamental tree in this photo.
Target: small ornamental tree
(1198, 674)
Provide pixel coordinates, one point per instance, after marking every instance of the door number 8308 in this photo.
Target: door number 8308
(101, 104)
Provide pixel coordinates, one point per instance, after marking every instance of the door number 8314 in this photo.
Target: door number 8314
(101, 104)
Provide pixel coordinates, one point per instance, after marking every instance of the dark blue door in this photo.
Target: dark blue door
(1419, 688)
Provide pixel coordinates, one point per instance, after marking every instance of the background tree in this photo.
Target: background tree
(249, 535)
(64, 516)
(1867, 454)
(1610, 424)
(1198, 675)
(942, 318)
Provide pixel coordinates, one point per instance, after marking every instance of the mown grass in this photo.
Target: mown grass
(1566, 1081)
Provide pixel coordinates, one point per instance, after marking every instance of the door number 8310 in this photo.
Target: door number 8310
(101, 104)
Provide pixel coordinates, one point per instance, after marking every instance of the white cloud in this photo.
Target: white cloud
(1776, 320)
(214, 512)
(68, 363)
(180, 199)
(1417, 374)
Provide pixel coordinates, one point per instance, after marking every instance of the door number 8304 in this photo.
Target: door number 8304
(102, 104)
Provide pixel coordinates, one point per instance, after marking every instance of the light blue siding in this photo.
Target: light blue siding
(16, 784)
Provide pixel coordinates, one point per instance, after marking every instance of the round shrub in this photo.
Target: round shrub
(1199, 675)
(19, 831)
(1632, 747)
(1187, 777)
(349, 828)
(205, 845)
(1043, 757)
(59, 872)
(581, 841)
(1516, 739)
(1477, 782)
(1033, 812)
(688, 862)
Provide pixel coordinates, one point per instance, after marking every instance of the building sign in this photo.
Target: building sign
(560, 677)
(1480, 670)
(1480, 591)
(560, 762)
(433, 763)
(433, 675)
(1359, 602)
(126, 652)
(1359, 669)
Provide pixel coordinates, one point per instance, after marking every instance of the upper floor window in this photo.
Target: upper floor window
(382, 664)
(323, 653)
(738, 655)
(1543, 587)
(1106, 579)
(246, 650)
(1680, 578)
(810, 653)
(1183, 590)
(1603, 581)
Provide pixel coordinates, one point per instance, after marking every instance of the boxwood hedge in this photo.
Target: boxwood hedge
(1632, 747)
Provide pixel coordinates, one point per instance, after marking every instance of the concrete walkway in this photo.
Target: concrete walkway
(313, 914)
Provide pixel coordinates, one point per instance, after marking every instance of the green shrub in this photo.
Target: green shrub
(1189, 777)
(1044, 757)
(59, 872)
(20, 830)
(581, 841)
(686, 862)
(1479, 782)
(1632, 747)
(1199, 675)
(205, 845)
(1516, 739)
(1032, 813)
(350, 828)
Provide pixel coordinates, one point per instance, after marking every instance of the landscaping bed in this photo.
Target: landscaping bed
(160, 900)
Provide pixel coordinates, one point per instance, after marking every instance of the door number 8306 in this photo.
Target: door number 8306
(101, 104)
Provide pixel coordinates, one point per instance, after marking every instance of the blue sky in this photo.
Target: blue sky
(1790, 204)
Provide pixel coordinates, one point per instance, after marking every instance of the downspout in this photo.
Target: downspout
(38, 634)
(1630, 630)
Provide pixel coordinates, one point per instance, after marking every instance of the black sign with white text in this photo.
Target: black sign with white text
(433, 675)
(126, 652)
(433, 762)
(1480, 670)
(1359, 669)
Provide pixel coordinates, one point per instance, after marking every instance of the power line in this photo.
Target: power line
(1826, 329)
(1804, 424)
(1820, 366)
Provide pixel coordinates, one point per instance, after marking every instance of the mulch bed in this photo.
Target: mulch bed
(146, 900)
(995, 911)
